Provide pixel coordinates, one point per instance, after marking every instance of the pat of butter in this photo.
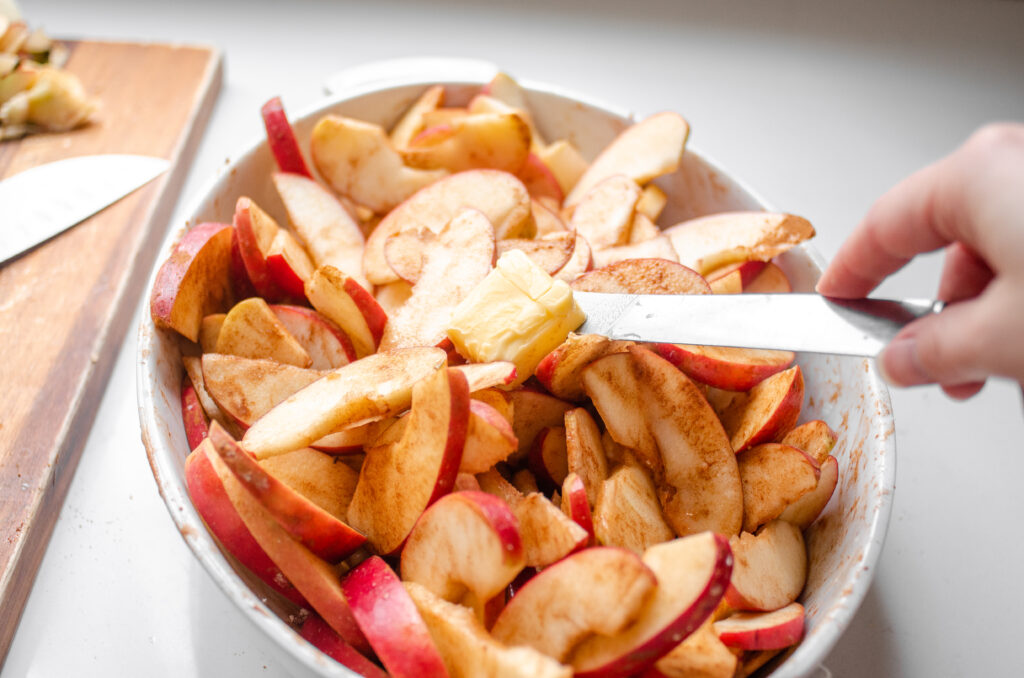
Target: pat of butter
(517, 313)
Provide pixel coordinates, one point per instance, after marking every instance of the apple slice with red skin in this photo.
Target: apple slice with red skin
(465, 548)
(547, 219)
(324, 341)
(599, 590)
(322, 533)
(320, 635)
(807, 508)
(547, 459)
(533, 410)
(643, 151)
(584, 452)
(767, 411)
(289, 265)
(743, 273)
(651, 203)
(209, 331)
(281, 138)
(255, 231)
(212, 502)
(411, 122)
(815, 437)
(771, 568)
(560, 371)
(627, 513)
(576, 506)
(194, 369)
(498, 141)
(399, 481)
(771, 280)
(676, 434)
(582, 260)
(459, 258)
(549, 253)
(469, 650)
(346, 441)
(643, 229)
(247, 388)
(498, 195)
(194, 281)
(565, 162)
(388, 618)
(240, 283)
(318, 477)
(346, 303)
(658, 247)
(489, 438)
(604, 215)
(732, 369)
(774, 630)
(642, 276)
(539, 180)
(486, 375)
(197, 424)
(371, 388)
(773, 477)
(701, 655)
(252, 330)
(692, 574)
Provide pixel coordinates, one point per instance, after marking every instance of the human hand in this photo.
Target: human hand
(972, 203)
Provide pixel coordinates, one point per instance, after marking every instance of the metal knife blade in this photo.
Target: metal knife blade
(41, 202)
(794, 322)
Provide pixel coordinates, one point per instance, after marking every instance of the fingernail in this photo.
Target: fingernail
(900, 366)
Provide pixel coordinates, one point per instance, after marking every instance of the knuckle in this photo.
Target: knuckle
(997, 136)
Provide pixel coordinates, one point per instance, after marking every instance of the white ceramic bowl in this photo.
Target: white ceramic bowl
(845, 542)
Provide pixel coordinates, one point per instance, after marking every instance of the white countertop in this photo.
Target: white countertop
(819, 109)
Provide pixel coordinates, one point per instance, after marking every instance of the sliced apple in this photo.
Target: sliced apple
(575, 504)
(357, 160)
(539, 180)
(658, 247)
(240, 283)
(498, 141)
(771, 568)
(642, 276)
(326, 344)
(605, 214)
(348, 440)
(245, 388)
(465, 548)
(550, 253)
(194, 369)
(318, 477)
(289, 265)
(374, 387)
(281, 138)
(504, 89)
(547, 219)
(319, 634)
(255, 231)
(559, 371)
(501, 198)
(807, 508)
(389, 619)
(391, 296)
(692, 575)
(325, 226)
(194, 281)
(737, 276)
(599, 590)
(774, 630)
(197, 424)
(701, 655)
(581, 261)
(547, 458)
(534, 410)
(548, 534)
(489, 439)
(486, 375)
(469, 650)
(816, 438)
(643, 151)
(346, 303)
(710, 242)
(627, 513)
(399, 481)
(584, 452)
(765, 412)
(209, 330)
(411, 122)
(772, 280)
(733, 369)
(525, 481)
(643, 229)
(773, 477)
(252, 330)
(652, 201)
(565, 162)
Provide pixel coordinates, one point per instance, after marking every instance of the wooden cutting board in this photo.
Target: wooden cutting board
(65, 306)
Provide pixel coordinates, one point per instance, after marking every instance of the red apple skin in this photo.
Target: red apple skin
(197, 424)
(390, 621)
(540, 182)
(372, 312)
(730, 369)
(763, 630)
(574, 498)
(320, 635)
(285, 277)
(213, 504)
(312, 316)
(281, 138)
(748, 425)
(254, 259)
(240, 283)
(748, 271)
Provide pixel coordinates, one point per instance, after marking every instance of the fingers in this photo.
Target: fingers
(963, 391)
(964, 274)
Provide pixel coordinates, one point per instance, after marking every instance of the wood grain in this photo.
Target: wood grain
(65, 306)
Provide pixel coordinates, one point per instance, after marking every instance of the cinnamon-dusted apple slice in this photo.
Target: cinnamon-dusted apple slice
(195, 281)
(559, 371)
(245, 388)
(346, 303)
(197, 424)
(399, 481)
(643, 229)
(252, 330)
(641, 152)
(774, 630)
(209, 330)
(255, 231)
(676, 434)
(489, 439)
(581, 261)
(733, 369)
(701, 655)
(771, 280)
(815, 437)
(498, 141)
(547, 458)
(642, 276)
(212, 502)
(465, 548)
(627, 512)
(584, 452)
(388, 617)
(194, 369)
(326, 344)
(289, 265)
(547, 219)
(411, 122)
(485, 375)
(313, 577)
(658, 247)
(501, 198)
(771, 568)
(773, 477)
(550, 253)
(348, 440)
(391, 296)
(735, 278)
(807, 508)
(605, 214)
(539, 180)
(576, 506)
(565, 162)
(599, 590)
(651, 202)
(374, 387)
(380, 179)
(317, 477)
(469, 650)
(281, 138)
(319, 634)
(453, 264)
(503, 88)
(534, 410)
(765, 412)
(710, 242)
(322, 533)
(331, 235)
(525, 481)
(692, 575)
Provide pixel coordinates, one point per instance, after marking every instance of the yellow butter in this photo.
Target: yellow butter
(517, 313)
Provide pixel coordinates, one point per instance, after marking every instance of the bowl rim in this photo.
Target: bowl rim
(392, 74)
